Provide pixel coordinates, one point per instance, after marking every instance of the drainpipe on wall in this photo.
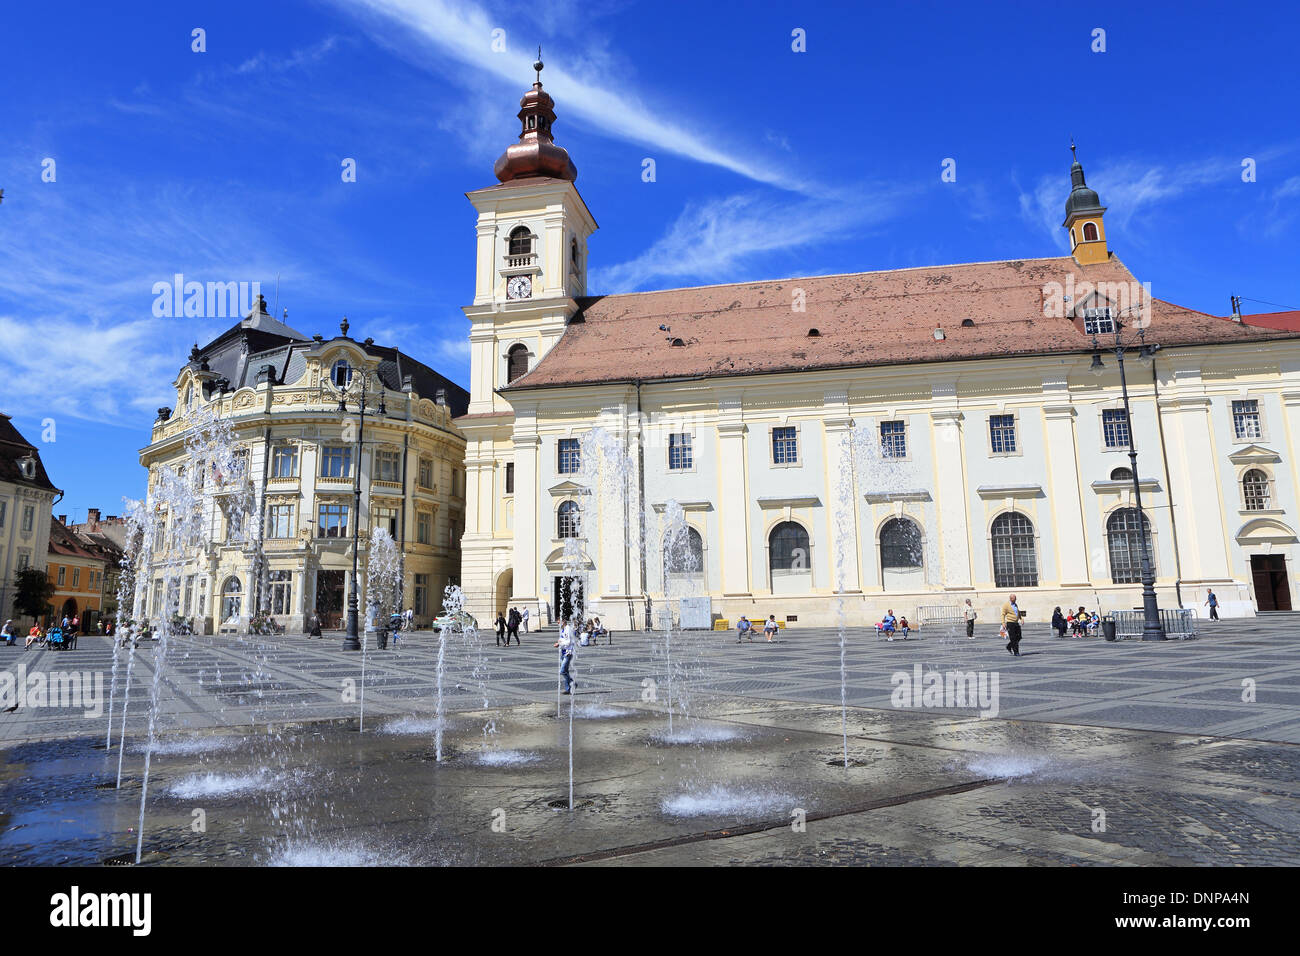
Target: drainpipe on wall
(640, 477)
(1169, 488)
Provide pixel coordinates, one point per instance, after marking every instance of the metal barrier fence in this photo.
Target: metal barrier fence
(939, 614)
(1179, 624)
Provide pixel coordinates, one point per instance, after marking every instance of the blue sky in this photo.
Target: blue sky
(225, 165)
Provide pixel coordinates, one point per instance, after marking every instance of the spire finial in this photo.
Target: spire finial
(538, 65)
(1072, 150)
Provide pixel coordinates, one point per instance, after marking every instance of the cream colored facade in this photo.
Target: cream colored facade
(412, 482)
(952, 483)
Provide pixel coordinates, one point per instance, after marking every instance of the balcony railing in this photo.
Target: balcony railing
(520, 262)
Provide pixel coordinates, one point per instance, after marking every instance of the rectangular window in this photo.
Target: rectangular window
(281, 586)
(1245, 419)
(1114, 428)
(426, 473)
(76, 578)
(23, 558)
(679, 452)
(203, 596)
(893, 440)
(388, 465)
(63, 575)
(387, 518)
(1098, 322)
(1002, 434)
(510, 477)
(335, 461)
(333, 521)
(189, 595)
(453, 534)
(569, 456)
(424, 528)
(422, 594)
(4, 505)
(284, 461)
(279, 521)
(785, 445)
(29, 519)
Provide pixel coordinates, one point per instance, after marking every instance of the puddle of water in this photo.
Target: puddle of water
(718, 801)
(506, 758)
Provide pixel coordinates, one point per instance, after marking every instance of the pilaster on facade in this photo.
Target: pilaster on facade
(952, 497)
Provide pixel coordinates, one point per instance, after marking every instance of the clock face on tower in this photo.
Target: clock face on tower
(519, 287)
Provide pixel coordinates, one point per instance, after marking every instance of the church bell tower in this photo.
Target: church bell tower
(1083, 219)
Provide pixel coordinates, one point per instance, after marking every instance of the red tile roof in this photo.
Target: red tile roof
(1289, 321)
(863, 319)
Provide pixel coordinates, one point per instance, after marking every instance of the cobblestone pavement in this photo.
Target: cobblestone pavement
(1155, 741)
(1183, 686)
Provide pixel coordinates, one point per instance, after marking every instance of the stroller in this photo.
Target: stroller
(57, 640)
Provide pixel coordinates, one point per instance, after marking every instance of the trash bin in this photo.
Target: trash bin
(1108, 628)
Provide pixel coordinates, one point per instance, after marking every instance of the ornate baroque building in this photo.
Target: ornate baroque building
(909, 438)
(26, 496)
(281, 392)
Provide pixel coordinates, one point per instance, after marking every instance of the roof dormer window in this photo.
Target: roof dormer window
(341, 374)
(1098, 321)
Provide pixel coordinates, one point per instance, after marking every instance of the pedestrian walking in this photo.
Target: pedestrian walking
(1212, 603)
(969, 613)
(565, 644)
(501, 629)
(1059, 623)
(315, 627)
(1011, 618)
(524, 620)
(512, 625)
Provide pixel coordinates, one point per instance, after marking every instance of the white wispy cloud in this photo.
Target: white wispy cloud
(462, 33)
(717, 238)
(303, 56)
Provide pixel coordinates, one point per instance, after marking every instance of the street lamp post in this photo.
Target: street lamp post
(1152, 628)
(352, 639)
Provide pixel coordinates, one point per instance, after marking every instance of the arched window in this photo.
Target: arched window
(1254, 487)
(521, 241)
(1089, 232)
(231, 598)
(573, 251)
(516, 362)
(189, 396)
(1121, 474)
(683, 552)
(341, 374)
(1015, 558)
(900, 545)
(1124, 532)
(566, 520)
(788, 547)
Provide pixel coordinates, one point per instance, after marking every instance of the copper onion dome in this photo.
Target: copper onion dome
(536, 153)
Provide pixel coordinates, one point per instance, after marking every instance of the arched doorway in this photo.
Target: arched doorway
(683, 563)
(69, 609)
(231, 598)
(505, 589)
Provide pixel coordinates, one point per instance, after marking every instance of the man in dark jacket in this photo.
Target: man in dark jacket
(512, 625)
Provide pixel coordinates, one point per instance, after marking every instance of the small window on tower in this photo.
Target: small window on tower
(521, 241)
(1089, 232)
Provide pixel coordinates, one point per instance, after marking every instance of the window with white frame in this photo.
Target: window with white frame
(679, 452)
(1245, 419)
(29, 518)
(424, 528)
(567, 520)
(1098, 321)
(1002, 434)
(893, 439)
(1127, 532)
(386, 518)
(1015, 552)
(284, 461)
(63, 575)
(335, 461)
(279, 521)
(332, 521)
(426, 473)
(23, 559)
(76, 578)
(568, 456)
(281, 587)
(388, 465)
(785, 445)
(1114, 428)
(1254, 490)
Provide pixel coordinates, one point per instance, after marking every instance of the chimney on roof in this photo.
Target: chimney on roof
(63, 519)
(92, 515)
(440, 397)
(1236, 308)
(408, 383)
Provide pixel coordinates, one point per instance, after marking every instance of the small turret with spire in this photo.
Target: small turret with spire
(536, 153)
(1084, 217)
